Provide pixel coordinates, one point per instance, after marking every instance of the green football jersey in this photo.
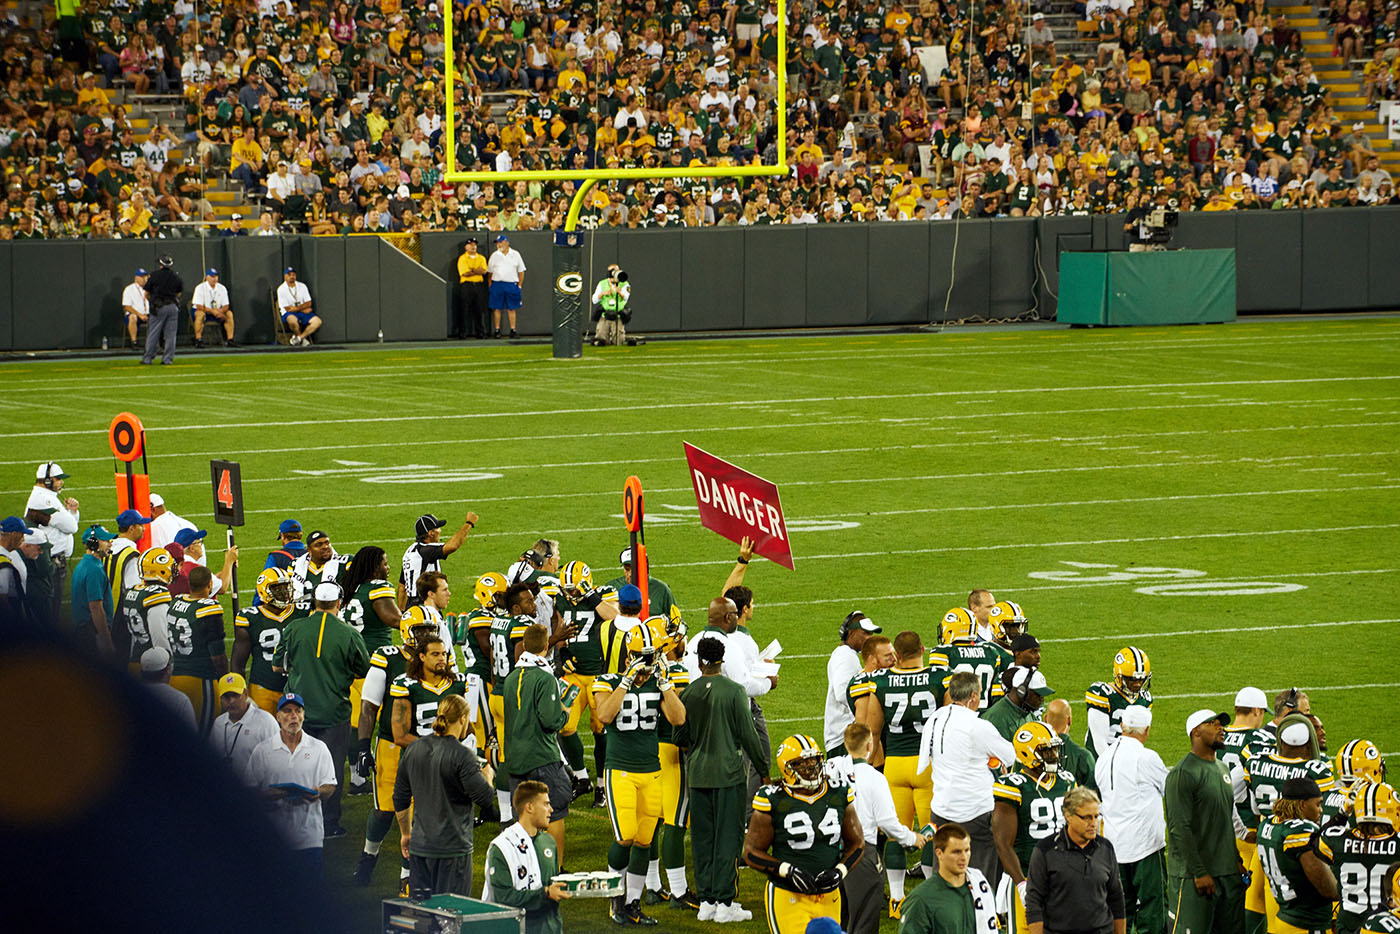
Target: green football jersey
(908, 697)
(806, 828)
(1241, 744)
(393, 661)
(136, 606)
(1383, 922)
(585, 649)
(987, 660)
(468, 627)
(1264, 777)
(358, 611)
(196, 628)
(1039, 807)
(1359, 863)
(680, 680)
(1105, 696)
(423, 698)
(632, 734)
(506, 631)
(265, 631)
(1281, 848)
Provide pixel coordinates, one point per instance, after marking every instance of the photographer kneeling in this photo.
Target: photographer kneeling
(610, 314)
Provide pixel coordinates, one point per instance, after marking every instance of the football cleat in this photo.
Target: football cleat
(1358, 760)
(600, 797)
(1036, 745)
(685, 900)
(655, 896)
(274, 587)
(489, 589)
(364, 869)
(799, 761)
(632, 914)
(958, 625)
(1132, 672)
(157, 564)
(895, 904)
(1008, 621)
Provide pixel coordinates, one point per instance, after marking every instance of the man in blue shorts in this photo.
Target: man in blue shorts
(507, 270)
(294, 304)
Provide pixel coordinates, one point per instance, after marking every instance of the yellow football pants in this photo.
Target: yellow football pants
(582, 702)
(266, 698)
(1259, 898)
(675, 797)
(386, 772)
(912, 791)
(497, 703)
(200, 691)
(356, 687)
(790, 913)
(634, 805)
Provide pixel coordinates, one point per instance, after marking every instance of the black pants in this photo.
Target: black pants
(863, 893)
(439, 875)
(163, 324)
(472, 314)
(984, 848)
(60, 585)
(755, 780)
(337, 739)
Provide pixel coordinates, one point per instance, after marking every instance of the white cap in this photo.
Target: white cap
(722, 60)
(327, 591)
(1251, 698)
(1295, 734)
(34, 538)
(50, 471)
(1027, 679)
(1136, 717)
(155, 659)
(1205, 716)
(157, 499)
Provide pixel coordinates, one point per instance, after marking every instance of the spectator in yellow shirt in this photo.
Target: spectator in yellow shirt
(138, 214)
(90, 92)
(247, 162)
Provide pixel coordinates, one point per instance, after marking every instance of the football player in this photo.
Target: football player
(1296, 859)
(1362, 852)
(1357, 761)
(1387, 920)
(805, 836)
(196, 625)
(1007, 620)
(261, 626)
(1264, 777)
(675, 797)
(476, 625)
(144, 607)
(371, 606)
(427, 678)
(1132, 673)
(896, 705)
(1029, 807)
(1244, 739)
(431, 595)
(582, 605)
(631, 706)
(318, 564)
(376, 727)
(961, 651)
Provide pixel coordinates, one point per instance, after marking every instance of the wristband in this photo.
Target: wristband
(471, 523)
(364, 744)
(743, 560)
(841, 868)
(784, 869)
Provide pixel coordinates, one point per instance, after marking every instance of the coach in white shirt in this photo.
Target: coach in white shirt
(211, 301)
(864, 888)
(242, 727)
(1132, 780)
(961, 747)
(62, 522)
(295, 757)
(843, 665)
(165, 524)
(723, 621)
(136, 303)
(507, 270)
(294, 305)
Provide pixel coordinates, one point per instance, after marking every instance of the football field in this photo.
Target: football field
(1222, 497)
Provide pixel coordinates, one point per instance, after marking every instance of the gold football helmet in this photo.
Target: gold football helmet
(1358, 760)
(958, 625)
(577, 578)
(1036, 745)
(1375, 804)
(800, 759)
(157, 564)
(1132, 671)
(1007, 620)
(489, 588)
(274, 587)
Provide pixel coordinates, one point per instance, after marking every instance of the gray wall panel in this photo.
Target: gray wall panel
(537, 309)
(1058, 234)
(1195, 231)
(7, 305)
(252, 270)
(362, 312)
(47, 296)
(1268, 274)
(1335, 259)
(652, 259)
(959, 269)
(837, 269)
(108, 267)
(898, 259)
(323, 268)
(412, 300)
(600, 249)
(712, 280)
(775, 277)
(1012, 255)
(1384, 241)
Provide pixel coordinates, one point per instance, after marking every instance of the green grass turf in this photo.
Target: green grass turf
(1063, 469)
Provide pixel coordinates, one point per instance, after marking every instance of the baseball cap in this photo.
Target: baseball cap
(141, 271)
(288, 526)
(315, 537)
(1136, 717)
(625, 557)
(502, 237)
(286, 699)
(211, 271)
(1299, 789)
(1025, 678)
(50, 471)
(1205, 716)
(231, 683)
(834, 99)
(327, 591)
(629, 595)
(1251, 698)
(858, 620)
(288, 271)
(130, 517)
(177, 552)
(34, 537)
(155, 659)
(14, 524)
(1024, 642)
(157, 499)
(239, 217)
(186, 537)
(426, 523)
(1295, 734)
(96, 533)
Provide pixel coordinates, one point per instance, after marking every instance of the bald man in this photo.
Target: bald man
(1074, 758)
(722, 618)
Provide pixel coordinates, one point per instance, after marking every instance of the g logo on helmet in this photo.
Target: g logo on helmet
(1119, 659)
(1024, 735)
(570, 283)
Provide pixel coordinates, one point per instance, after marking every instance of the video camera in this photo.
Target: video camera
(618, 275)
(1157, 225)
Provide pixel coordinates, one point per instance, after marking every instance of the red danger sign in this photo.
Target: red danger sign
(736, 503)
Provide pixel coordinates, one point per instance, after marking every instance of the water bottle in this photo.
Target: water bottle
(381, 335)
(104, 343)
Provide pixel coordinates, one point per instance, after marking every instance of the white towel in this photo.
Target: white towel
(518, 848)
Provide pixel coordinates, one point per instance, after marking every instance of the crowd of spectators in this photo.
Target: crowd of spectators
(329, 118)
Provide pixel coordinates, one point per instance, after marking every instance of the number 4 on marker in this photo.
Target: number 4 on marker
(225, 492)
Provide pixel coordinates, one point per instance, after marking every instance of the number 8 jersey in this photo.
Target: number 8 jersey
(806, 828)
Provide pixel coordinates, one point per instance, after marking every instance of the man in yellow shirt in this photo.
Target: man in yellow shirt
(470, 320)
(246, 165)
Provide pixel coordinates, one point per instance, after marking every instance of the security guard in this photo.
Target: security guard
(165, 288)
(470, 320)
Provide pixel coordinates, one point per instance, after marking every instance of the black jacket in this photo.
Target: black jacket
(165, 287)
(1072, 889)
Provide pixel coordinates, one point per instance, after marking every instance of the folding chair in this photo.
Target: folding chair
(279, 328)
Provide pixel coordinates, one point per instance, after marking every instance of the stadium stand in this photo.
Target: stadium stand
(162, 119)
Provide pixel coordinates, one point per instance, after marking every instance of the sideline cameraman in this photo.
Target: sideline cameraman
(1135, 227)
(610, 308)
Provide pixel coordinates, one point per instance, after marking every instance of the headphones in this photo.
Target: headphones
(48, 474)
(536, 559)
(849, 623)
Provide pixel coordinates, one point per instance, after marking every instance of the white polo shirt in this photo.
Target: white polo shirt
(843, 665)
(164, 527)
(136, 297)
(287, 296)
(505, 267)
(735, 666)
(1132, 780)
(874, 804)
(959, 744)
(234, 741)
(62, 523)
(310, 764)
(210, 297)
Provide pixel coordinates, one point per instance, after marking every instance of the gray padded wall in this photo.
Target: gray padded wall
(1268, 270)
(775, 277)
(838, 267)
(897, 255)
(47, 295)
(1335, 260)
(653, 263)
(1383, 278)
(712, 280)
(323, 269)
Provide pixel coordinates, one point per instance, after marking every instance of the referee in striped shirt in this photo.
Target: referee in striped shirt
(426, 553)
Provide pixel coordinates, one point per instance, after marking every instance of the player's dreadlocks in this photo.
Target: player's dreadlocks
(361, 569)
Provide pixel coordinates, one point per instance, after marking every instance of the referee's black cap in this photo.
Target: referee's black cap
(425, 524)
